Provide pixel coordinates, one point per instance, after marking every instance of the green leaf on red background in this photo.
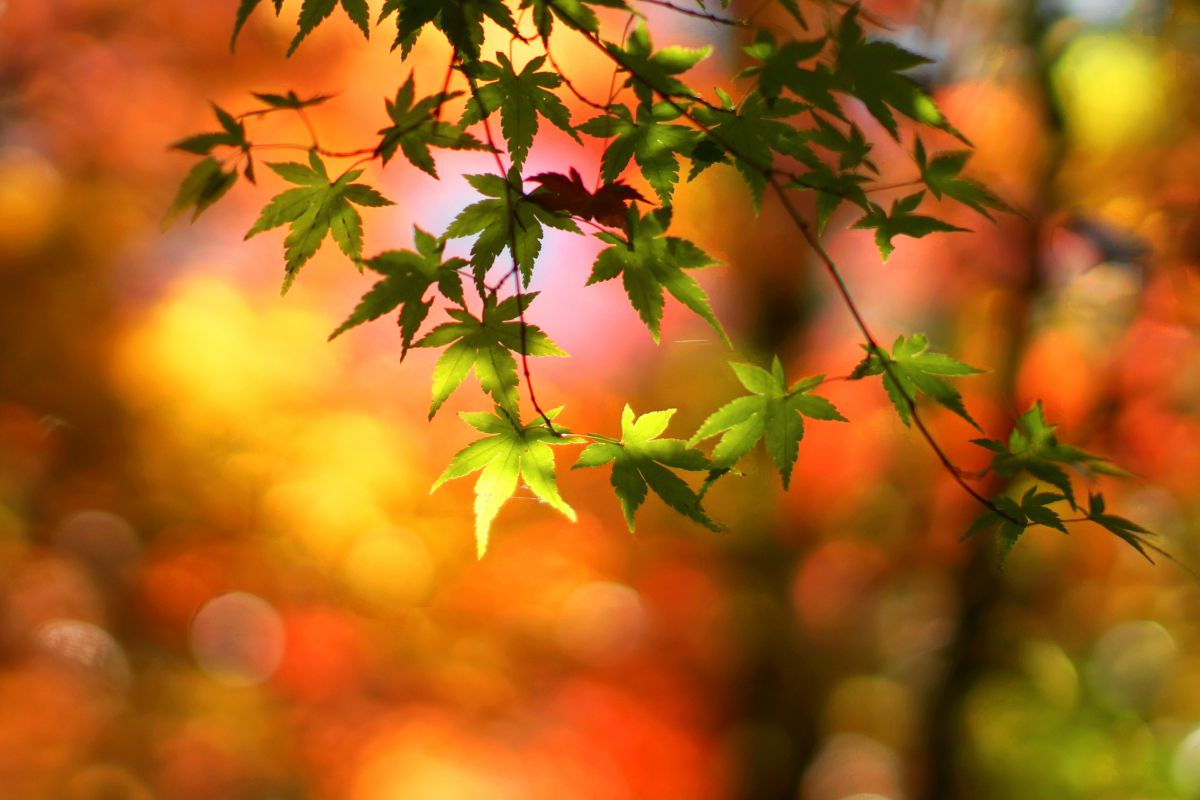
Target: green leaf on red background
(415, 128)
(573, 13)
(1034, 448)
(901, 221)
(871, 71)
(509, 220)
(232, 134)
(649, 262)
(461, 21)
(912, 369)
(206, 183)
(750, 133)
(653, 71)
(652, 143)
(291, 100)
(772, 412)
(408, 276)
(640, 463)
(244, 10)
(521, 97)
(321, 206)
(941, 175)
(511, 452)
(781, 70)
(314, 12)
(486, 346)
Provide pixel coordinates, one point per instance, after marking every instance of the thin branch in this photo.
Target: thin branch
(312, 132)
(512, 250)
(691, 12)
(873, 345)
(830, 267)
(363, 151)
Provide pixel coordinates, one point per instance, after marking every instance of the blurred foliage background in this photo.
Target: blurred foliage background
(222, 575)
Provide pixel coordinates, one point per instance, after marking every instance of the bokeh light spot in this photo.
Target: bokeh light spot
(86, 647)
(237, 639)
(1185, 766)
(1131, 664)
(389, 568)
(600, 620)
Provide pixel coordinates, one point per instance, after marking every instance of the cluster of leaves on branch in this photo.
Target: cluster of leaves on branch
(788, 125)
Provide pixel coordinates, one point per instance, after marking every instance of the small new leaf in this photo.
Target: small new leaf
(486, 346)
(772, 411)
(911, 368)
(640, 463)
(320, 206)
(649, 262)
(408, 276)
(509, 454)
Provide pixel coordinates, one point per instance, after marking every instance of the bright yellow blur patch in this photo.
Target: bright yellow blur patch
(252, 391)
(207, 352)
(30, 200)
(1112, 89)
(389, 569)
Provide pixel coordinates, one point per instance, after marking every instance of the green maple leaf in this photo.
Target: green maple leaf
(320, 206)
(232, 134)
(640, 462)
(653, 71)
(1034, 448)
(754, 131)
(573, 13)
(872, 72)
(314, 12)
(649, 262)
(486, 346)
(1014, 519)
(941, 175)
(912, 369)
(901, 221)
(511, 452)
(1126, 530)
(510, 220)
(460, 20)
(648, 140)
(408, 276)
(781, 70)
(521, 97)
(291, 100)
(415, 128)
(206, 183)
(772, 411)
(244, 10)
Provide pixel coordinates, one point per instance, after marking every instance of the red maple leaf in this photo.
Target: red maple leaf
(608, 205)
